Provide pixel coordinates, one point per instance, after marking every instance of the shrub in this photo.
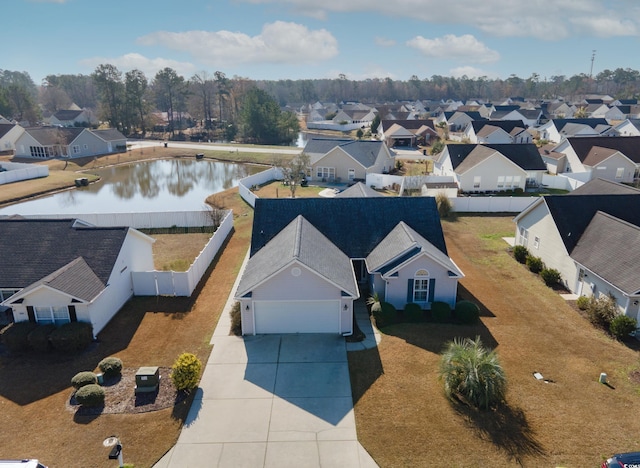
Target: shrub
(441, 311)
(413, 312)
(623, 325)
(73, 336)
(186, 372)
(39, 337)
(83, 378)
(550, 276)
(534, 264)
(520, 253)
(90, 395)
(15, 336)
(467, 312)
(110, 366)
(601, 311)
(582, 302)
(384, 314)
(236, 319)
(444, 205)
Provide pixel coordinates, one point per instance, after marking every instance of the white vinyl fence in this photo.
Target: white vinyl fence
(173, 283)
(19, 171)
(491, 204)
(565, 181)
(244, 185)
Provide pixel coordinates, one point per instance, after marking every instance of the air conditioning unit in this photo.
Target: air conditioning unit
(147, 380)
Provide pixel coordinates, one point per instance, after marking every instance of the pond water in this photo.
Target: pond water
(161, 185)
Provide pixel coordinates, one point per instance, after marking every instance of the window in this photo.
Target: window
(524, 236)
(352, 174)
(421, 286)
(76, 149)
(516, 181)
(326, 172)
(56, 315)
(536, 242)
(7, 293)
(508, 181)
(619, 173)
(476, 182)
(501, 182)
(85, 146)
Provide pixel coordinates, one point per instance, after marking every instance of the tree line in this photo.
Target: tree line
(252, 110)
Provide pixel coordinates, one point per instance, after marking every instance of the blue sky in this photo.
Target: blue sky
(298, 39)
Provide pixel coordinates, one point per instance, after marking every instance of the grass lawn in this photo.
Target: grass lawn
(277, 189)
(404, 419)
(177, 251)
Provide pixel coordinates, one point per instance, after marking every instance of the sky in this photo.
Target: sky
(307, 39)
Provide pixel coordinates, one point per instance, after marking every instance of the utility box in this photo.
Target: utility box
(147, 380)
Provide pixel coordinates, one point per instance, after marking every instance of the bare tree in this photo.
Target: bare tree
(294, 172)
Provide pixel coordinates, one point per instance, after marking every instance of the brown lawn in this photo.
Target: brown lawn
(403, 418)
(177, 251)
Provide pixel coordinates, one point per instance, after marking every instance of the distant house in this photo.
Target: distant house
(308, 256)
(358, 190)
(71, 118)
(491, 168)
(335, 160)
(629, 127)
(457, 121)
(63, 271)
(496, 131)
(9, 134)
(406, 132)
(616, 159)
(529, 117)
(556, 130)
(68, 142)
(592, 238)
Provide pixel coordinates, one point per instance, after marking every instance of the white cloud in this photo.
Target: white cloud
(279, 42)
(470, 72)
(149, 66)
(543, 19)
(465, 47)
(384, 42)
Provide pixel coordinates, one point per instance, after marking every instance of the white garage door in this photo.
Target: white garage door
(297, 316)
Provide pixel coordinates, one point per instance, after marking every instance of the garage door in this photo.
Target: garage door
(297, 316)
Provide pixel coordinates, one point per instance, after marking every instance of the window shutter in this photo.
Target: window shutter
(31, 313)
(72, 313)
(409, 291)
(432, 288)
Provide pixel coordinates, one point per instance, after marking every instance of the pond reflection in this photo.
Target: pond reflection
(163, 185)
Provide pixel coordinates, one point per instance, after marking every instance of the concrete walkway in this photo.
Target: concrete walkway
(273, 401)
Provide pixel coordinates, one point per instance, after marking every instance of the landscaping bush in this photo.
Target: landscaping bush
(622, 325)
(39, 337)
(83, 378)
(440, 311)
(90, 395)
(236, 319)
(383, 313)
(582, 302)
(413, 312)
(444, 205)
(73, 336)
(110, 366)
(534, 264)
(601, 311)
(467, 312)
(16, 336)
(550, 276)
(520, 253)
(186, 372)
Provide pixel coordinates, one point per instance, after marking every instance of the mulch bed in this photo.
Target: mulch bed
(120, 396)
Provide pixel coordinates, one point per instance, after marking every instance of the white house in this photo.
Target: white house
(9, 133)
(68, 142)
(556, 130)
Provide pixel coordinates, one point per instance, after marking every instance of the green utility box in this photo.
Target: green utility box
(147, 380)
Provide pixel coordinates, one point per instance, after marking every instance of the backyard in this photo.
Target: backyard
(404, 419)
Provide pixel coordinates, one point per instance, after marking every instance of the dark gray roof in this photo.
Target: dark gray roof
(610, 248)
(415, 124)
(109, 134)
(560, 123)
(358, 190)
(299, 241)
(67, 114)
(604, 187)
(354, 225)
(524, 155)
(628, 145)
(6, 128)
(40, 247)
(401, 245)
(47, 136)
(323, 145)
(76, 279)
(506, 125)
(572, 214)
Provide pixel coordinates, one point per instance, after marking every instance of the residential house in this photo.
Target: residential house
(530, 117)
(9, 133)
(309, 255)
(592, 238)
(71, 118)
(560, 110)
(556, 130)
(63, 271)
(334, 160)
(616, 159)
(628, 127)
(358, 190)
(555, 161)
(490, 131)
(68, 142)
(491, 168)
(406, 132)
(457, 121)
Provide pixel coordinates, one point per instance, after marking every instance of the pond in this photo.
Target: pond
(161, 185)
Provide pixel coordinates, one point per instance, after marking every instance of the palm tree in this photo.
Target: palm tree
(473, 373)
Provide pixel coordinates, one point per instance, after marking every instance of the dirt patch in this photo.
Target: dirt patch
(120, 397)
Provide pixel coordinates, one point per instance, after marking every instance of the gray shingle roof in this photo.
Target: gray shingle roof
(300, 241)
(47, 136)
(358, 190)
(40, 247)
(629, 146)
(323, 145)
(524, 155)
(67, 114)
(109, 134)
(610, 248)
(6, 128)
(604, 187)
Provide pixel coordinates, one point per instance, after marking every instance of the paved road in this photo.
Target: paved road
(215, 147)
